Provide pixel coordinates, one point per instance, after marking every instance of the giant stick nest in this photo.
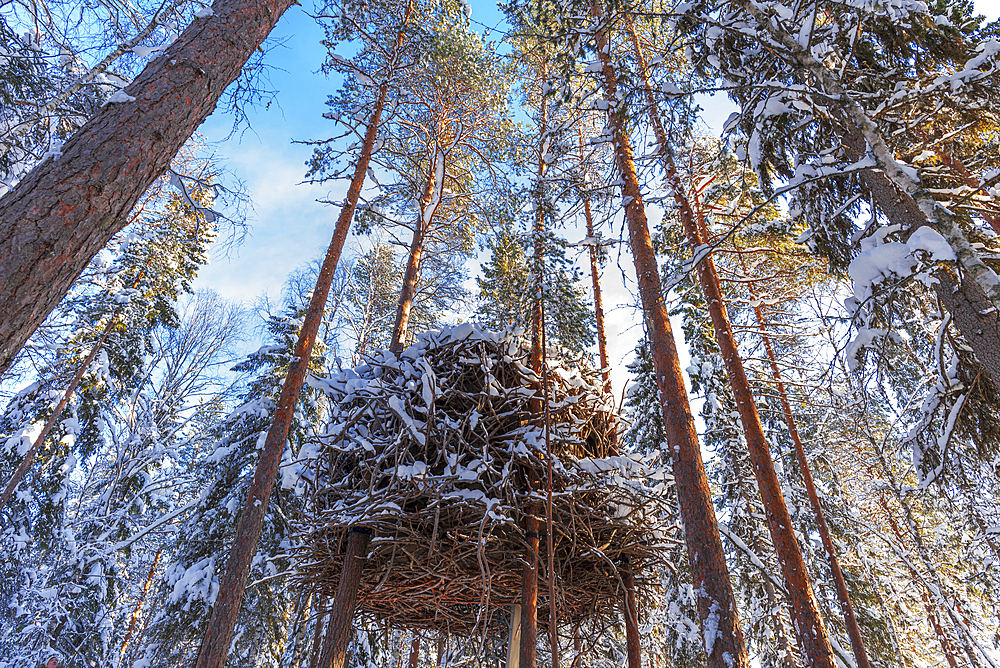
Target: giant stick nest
(441, 452)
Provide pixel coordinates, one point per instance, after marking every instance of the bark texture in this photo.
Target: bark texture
(707, 558)
(215, 646)
(971, 310)
(339, 626)
(529, 591)
(67, 209)
(806, 619)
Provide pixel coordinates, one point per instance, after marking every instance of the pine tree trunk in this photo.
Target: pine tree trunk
(408, 291)
(215, 646)
(970, 308)
(602, 338)
(529, 573)
(716, 604)
(340, 623)
(850, 620)
(812, 635)
(67, 209)
(317, 640)
(529, 590)
(631, 619)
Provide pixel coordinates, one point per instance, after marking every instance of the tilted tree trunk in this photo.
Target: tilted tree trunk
(716, 604)
(215, 646)
(67, 209)
(408, 291)
(810, 629)
(138, 606)
(971, 310)
(317, 640)
(847, 607)
(29, 457)
(340, 623)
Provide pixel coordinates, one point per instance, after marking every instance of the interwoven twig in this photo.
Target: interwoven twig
(430, 451)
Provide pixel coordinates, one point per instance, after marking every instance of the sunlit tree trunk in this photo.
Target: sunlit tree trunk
(138, 606)
(726, 648)
(215, 646)
(850, 619)
(602, 338)
(408, 291)
(806, 619)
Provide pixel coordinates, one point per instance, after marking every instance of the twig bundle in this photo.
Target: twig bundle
(434, 451)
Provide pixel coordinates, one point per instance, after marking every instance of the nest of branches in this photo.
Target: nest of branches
(442, 453)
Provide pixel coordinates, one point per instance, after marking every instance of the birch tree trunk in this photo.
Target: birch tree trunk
(67, 209)
(724, 642)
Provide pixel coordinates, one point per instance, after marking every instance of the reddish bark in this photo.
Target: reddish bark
(215, 646)
(631, 620)
(408, 291)
(318, 635)
(66, 209)
(808, 623)
(850, 620)
(415, 650)
(602, 338)
(529, 591)
(529, 584)
(339, 625)
(707, 559)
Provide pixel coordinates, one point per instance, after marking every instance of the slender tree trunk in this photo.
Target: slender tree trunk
(850, 620)
(631, 619)
(415, 650)
(808, 624)
(716, 605)
(215, 646)
(29, 457)
(440, 651)
(138, 606)
(529, 574)
(340, 624)
(602, 339)
(318, 634)
(529, 590)
(408, 291)
(65, 211)
(775, 607)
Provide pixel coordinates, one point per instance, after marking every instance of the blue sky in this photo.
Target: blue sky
(289, 228)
